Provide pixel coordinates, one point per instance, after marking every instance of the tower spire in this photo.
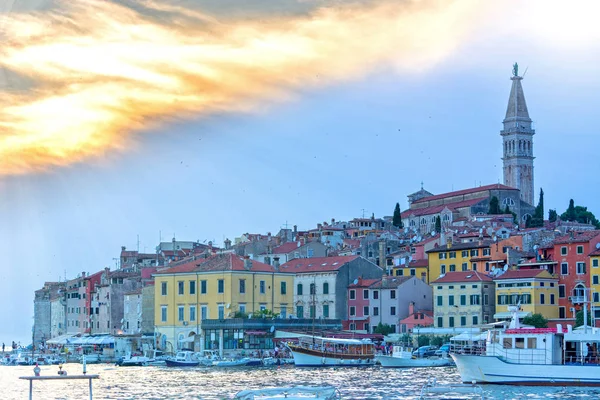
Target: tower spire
(517, 137)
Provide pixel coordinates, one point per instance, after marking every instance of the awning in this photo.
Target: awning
(62, 339)
(509, 314)
(188, 339)
(255, 333)
(90, 340)
(466, 336)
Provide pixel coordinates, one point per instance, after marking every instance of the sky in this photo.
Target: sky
(127, 122)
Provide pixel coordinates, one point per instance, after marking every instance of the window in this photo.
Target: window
(262, 287)
(326, 310)
(221, 309)
(352, 327)
(519, 343)
(463, 299)
(595, 263)
(464, 267)
(440, 300)
(579, 249)
(487, 266)
(392, 294)
(413, 272)
(204, 311)
(352, 294)
(564, 268)
(442, 269)
(326, 288)
(352, 311)
(452, 254)
(475, 320)
(399, 272)
(365, 311)
(561, 291)
(221, 286)
(375, 311)
(463, 321)
(595, 279)
(283, 287)
(475, 253)
(596, 297)
(180, 313)
(192, 313)
(365, 294)
(192, 287)
(451, 322)
(552, 299)
(474, 266)
(392, 310)
(163, 288)
(163, 313)
(312, 311)
(242, 286)
(465, 253)
(300, 311)
(485, 300)
(299, 289)
(561, 312)
(475, 300)
(440, 322)
(486, 252)
(451, 300)
(243, 309)
(203, 287)
(452, 268)
(542, 298)
(563, 251)
(442, 256)
(581, 268)
(180, 288)
(366, 327)
(375, 294)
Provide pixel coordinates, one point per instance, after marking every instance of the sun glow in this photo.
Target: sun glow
(101, 71)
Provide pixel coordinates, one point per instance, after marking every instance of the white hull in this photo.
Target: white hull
(310, 360)
(405, 362)
(489, 369)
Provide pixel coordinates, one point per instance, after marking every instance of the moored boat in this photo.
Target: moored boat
(534, 356)
(314, 351)
(403, 358)
(183, 359)
(291, 393)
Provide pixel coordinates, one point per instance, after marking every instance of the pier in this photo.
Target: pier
(58, 377)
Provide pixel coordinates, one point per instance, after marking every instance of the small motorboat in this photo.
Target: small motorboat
(235, 362)
(291, 393)
(133, 361)
(183, 359)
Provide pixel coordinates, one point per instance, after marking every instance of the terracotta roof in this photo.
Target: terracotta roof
(461, 246)
(596, 252)
(495, 186)
(352, 242)
(418, 263)
(520, 274)
(428, 240)
(221, 262)
(390, 282)
(417, 212)
(364, 283)
(578, 237)
(463, 276)
(316, 264)
(286, 248)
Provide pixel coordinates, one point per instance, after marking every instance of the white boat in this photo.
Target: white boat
(183, 359)
(402, 357)
(290, 393)
(134, 361)
(315, 351)
(533, 356)
(233, 362)
(432, 389)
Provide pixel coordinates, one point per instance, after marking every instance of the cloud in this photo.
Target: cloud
(98, 72)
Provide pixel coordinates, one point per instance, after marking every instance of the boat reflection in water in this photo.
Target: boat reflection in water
(315, 351)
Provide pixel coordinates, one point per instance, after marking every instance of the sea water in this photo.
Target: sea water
(224, 383)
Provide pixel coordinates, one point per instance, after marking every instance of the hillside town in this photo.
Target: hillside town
(447, 263)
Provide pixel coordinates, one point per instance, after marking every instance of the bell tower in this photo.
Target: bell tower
(517, 141)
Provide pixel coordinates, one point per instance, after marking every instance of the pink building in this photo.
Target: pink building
(358, 306)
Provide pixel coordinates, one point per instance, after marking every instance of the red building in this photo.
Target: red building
(571, 253)
(358, 305)
(419, 318)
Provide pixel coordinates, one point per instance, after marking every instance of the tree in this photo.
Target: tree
(536, 320)
(494, 206)
(579, 318)
(440, 340)
(579, 214)
(383, 329)
(507, 211)
(397, 218)
(423, 340)
(538, 216)
(552, 215)
(438, 224)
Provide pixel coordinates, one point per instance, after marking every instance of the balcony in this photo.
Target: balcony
(577, 299)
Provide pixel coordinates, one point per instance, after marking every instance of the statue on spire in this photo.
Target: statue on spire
(516, 69)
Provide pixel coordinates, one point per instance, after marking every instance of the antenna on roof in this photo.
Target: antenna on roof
(526, 68)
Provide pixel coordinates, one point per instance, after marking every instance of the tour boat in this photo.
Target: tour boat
(134, 361)
(534, 356)
(314, 351)
(290, 393)
(403, 358)
(183, 359)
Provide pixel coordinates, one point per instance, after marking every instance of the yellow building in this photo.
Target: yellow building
(416, 268)
(535, 289)
(221, 287)
(457, 257)
(595, 280)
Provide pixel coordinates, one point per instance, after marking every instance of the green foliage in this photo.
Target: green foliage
(440, 340)
(507, 211)
(406, 340)
(579, 318)
(552, 215)
(383, 329)
(536, 320)
(579, 214)
(494, 206)
(397, 218)
(239, 314)
(423, 340)
(264, 314)
(538, 216)
(438, 224)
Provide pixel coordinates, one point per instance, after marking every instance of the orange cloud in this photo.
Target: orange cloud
(101, 71)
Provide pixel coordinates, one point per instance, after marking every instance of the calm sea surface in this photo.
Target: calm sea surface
(211, 383)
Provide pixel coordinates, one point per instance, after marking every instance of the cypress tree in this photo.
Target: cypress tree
(397, 218)
(438, 224)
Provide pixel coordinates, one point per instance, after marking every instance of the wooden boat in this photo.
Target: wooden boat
(314, 351)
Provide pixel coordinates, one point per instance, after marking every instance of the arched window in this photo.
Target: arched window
(526, 217)
(508, 202)
(412, 222)
(299, 289)
(423, 222)
(313, 289)
(326, 288)
(433, 220)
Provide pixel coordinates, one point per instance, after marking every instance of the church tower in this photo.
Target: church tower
(517, 141)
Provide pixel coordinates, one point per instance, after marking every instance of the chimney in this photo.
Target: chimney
(83, 274)
(448, 242)
(247, 263)
(269, 236)
(210, 245)
(332, 221)
(319, 226)
(411, 308)
(276, 263)
(295, 230)
(382, 253)
(123, 248)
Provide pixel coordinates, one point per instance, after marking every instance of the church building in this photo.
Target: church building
(517, 192)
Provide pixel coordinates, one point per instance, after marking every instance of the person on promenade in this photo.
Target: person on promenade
(2, 347)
